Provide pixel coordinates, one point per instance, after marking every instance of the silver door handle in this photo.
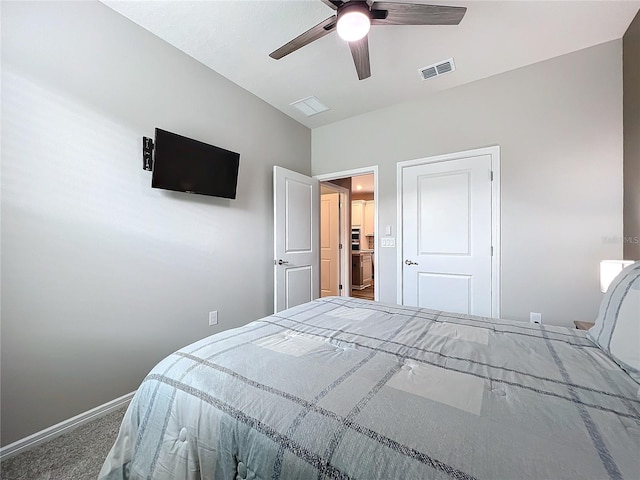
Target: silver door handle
(282, 262)
(409, 262)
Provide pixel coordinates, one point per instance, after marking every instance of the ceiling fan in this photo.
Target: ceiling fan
(354, 18)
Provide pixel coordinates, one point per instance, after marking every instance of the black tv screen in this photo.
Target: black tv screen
(185, 165)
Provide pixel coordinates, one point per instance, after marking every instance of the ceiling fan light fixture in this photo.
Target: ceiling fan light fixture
(353, 19)
(353, 22)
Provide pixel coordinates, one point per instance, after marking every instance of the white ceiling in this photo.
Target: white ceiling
(234, 38)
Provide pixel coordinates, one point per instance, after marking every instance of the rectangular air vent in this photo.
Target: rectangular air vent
(310, 106)
(437, 69)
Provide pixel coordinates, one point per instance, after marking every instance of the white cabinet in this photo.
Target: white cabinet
(357, 214)
(363, 216)
(369, 217)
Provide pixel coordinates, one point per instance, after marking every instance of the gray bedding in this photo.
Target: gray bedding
(351, 389)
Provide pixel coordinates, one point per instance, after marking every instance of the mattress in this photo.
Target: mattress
(343, 388)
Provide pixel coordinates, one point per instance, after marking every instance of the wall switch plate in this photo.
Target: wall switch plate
(388, 241)
(535, 317)
(213, 317)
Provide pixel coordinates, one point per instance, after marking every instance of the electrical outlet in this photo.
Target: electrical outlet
(535, 317)
(213, 317)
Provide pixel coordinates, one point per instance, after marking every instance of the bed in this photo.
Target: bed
(343, 388)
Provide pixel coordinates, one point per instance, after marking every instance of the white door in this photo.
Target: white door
(296, 205)
(447, 235)
(329, 244)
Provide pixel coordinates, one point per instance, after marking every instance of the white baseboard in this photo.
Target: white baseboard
(63, 427)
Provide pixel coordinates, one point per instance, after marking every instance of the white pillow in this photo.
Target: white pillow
(617, 328)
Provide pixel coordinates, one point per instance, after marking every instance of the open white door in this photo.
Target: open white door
(329, 244)
(296, 205)
(340, 239)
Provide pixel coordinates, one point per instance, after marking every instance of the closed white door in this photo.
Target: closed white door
(329, 244)
(447, 235)
(296, 204)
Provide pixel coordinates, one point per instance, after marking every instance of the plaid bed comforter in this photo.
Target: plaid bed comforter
(351, 389)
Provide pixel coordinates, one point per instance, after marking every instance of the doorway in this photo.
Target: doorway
(357, 237)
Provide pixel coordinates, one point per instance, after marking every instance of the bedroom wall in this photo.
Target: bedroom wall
(102, 276)
(559, 126)
(631, 56)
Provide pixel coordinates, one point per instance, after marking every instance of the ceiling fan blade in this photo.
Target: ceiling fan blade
(335, 4)
(415, 14)
(360, 54)
(320, 30)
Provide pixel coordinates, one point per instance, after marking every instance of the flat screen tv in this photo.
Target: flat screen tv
(185, 165)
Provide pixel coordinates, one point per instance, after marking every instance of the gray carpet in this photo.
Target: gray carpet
(76, 455)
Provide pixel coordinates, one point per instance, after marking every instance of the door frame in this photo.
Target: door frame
(494, 152)
(325, 177)
(345, 232)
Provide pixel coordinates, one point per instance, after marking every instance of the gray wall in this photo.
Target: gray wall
(631, 56)
(559, 126)
(102, 276)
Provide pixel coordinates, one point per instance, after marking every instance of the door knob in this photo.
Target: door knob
(282, 262)
(409, 262)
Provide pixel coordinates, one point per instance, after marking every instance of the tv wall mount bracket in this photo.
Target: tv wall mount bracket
(147, 153)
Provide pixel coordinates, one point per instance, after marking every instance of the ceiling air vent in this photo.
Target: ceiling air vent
(310, 106)
(437, 69)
